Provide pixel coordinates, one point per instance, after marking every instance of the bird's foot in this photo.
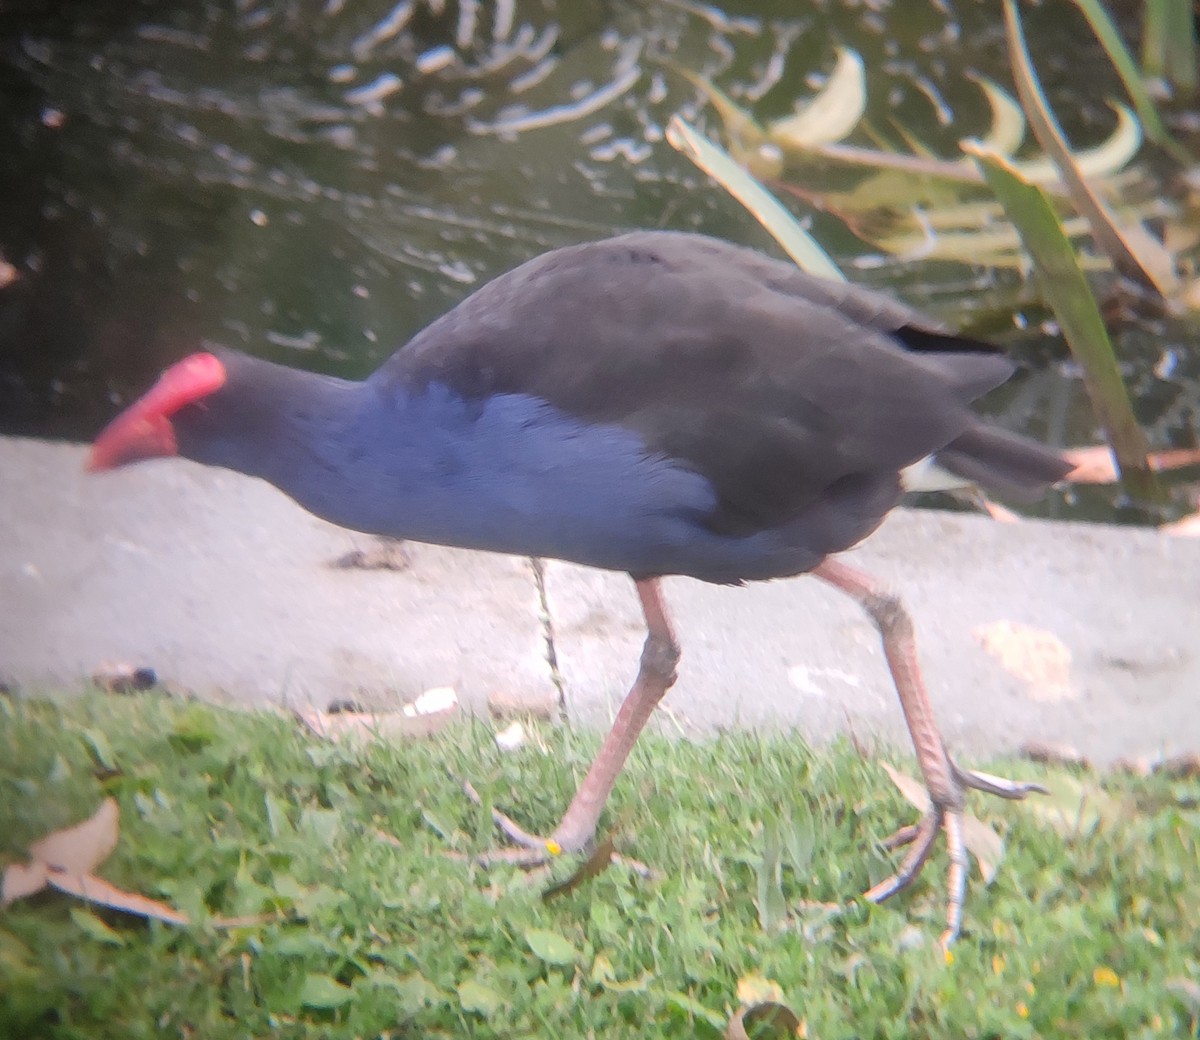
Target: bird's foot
(920, 837)
(530, 850)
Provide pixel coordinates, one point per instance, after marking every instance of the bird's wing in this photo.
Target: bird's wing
(772, 384)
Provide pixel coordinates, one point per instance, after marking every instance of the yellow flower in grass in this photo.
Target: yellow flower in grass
(1105, 976)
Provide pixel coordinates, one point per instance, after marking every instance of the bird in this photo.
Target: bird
(656, 403)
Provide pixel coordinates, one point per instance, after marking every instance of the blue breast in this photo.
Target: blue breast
(512, 474)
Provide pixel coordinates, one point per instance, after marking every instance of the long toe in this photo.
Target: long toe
(921, 836)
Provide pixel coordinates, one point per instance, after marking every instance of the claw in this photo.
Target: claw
(997, 785)
(921, 836)
(532, 850)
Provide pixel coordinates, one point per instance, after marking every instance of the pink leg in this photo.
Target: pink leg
(656, 674)
(946, 782)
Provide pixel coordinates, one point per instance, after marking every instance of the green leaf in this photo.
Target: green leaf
(321, 824)
(1067, 291)
(475, 996)
(277, 815)
(100, 750)
(800, 834)
(550, 947)
(94, 928)
(766, 209)
(324, 992)
(418, 992)
(195, 728)
(772, 908)
(1130, 246)
(691, 1006)
(1110, 39)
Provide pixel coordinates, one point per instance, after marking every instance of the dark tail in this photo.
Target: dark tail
(1003, 462)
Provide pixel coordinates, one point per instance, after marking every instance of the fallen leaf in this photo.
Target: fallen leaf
(913, 790)
(22, 880)
(65, 859)
(475, 996)
(390, 839)
(1184, 766)
(82, 848)
(768, 1019)
(505, 704)
(1049, 753)
(758, 989)
(550, 947)
(324, 992)
(1185, 527)
(984, 844)
(981, 840)
(387, 555)
(425, 716)
(1034, 655)
(125, 678)
(97, 890)
(604, 974)
(1094, 464)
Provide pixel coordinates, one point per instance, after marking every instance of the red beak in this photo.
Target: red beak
(144, 430)
(131, 437)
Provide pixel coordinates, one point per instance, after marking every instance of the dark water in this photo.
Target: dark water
(314, 181)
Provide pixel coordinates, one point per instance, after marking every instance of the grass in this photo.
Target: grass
(1092, 934)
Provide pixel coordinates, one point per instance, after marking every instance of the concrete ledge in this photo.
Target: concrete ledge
(223, 586)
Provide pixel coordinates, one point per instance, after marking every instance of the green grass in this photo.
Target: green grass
(1093, 935)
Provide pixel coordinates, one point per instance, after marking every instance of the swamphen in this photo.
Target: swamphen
(657, 403)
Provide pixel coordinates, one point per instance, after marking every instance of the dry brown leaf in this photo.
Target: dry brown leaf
(1185, 766)
(97, 890)
(769, 1018)
(911, 788)
(506, 704)
(982, 842)
(425, 716)
(1185, 527)
(21, 880)
(65, 860)
(1094, 464)
(1050, 753)
(388, 554)
(82, 848)
(1034, 655)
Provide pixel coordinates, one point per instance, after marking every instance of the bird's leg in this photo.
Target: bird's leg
(660, 655)
(946, 783)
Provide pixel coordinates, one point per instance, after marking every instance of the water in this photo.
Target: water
(315, 181)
